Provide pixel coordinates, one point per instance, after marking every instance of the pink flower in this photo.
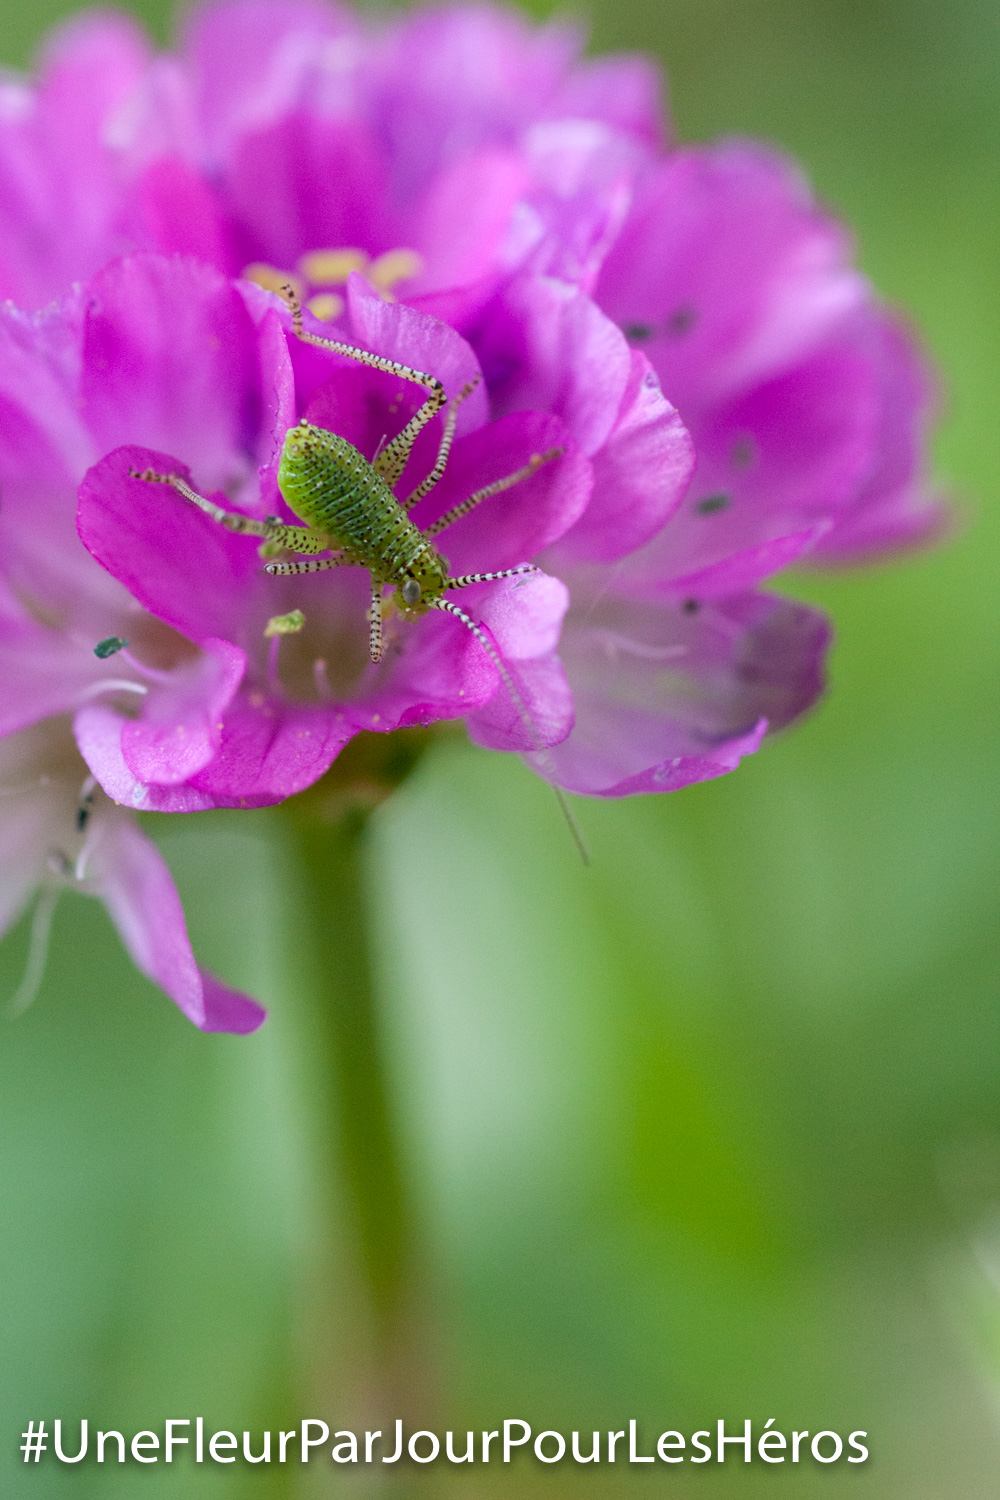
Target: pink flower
(518, 213)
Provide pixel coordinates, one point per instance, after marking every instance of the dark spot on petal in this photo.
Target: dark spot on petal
(682, 321)
(690, 606)
(712, 503)
(638, 333)
(744, 453)
(109, 646)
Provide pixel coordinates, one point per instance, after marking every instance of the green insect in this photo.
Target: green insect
(351, 512)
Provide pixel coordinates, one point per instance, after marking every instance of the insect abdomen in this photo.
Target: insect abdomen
(330, 486)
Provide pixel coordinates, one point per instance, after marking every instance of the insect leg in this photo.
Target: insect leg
(426, 485)
(463, 581)
(534, 463)
(391, 462)
(291, 538)
(314, 565)
(375, 617)
(525, 717)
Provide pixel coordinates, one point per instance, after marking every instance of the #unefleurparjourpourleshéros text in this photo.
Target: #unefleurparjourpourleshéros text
(513, 1438)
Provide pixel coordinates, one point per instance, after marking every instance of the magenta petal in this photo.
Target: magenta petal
(170, 362)
(624, 90)
(270, 750)
(41, 673)
(524, 614)
(545, 346)
(892, 508)
(98, 733)
(543, 717)
(744, 570)
(227, 1010)
(278, 392)
(452, 78)
(178, 563)
(437, 670)
(465, 215)
(773, 464)
(181, 726)
(182, 215)
(664, 697)
(399, 332)
(640, 475)
(524, 617)
(726, 271)
(248, 57)
(303, 182)
(60, 192)
(129, 874)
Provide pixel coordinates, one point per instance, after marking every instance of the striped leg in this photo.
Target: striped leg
(275, 532)
(314, 565)
(391, 462)
(465, 579)
(375, 618)
(534, 463)
(447, 437)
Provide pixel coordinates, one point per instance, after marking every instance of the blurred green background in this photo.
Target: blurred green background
(711, 1129)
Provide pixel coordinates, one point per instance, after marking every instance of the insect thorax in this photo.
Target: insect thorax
(335, 490)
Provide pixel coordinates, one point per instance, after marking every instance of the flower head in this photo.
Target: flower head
(668, 382)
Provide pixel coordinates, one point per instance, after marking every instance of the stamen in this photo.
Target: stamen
(331, 267)
(155, 674)
(270, 278)
(38, 952)
(321, 680)
(289, 624)
(393, 267)
(326, 307)
(112, 685)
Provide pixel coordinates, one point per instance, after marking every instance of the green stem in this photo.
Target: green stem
(329, 825)
(332, 859)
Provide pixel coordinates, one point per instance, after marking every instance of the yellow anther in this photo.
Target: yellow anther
(289, 624)
(394, 266)
(270, 278)
(331, 267)
(326, 306)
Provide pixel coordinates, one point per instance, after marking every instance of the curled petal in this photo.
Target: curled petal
(269, 750)
(181, 725)
(98, 733)
(130, 875)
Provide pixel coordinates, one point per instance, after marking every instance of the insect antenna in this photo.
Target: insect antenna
(526, 719)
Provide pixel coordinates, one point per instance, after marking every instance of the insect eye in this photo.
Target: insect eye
(411, 591)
